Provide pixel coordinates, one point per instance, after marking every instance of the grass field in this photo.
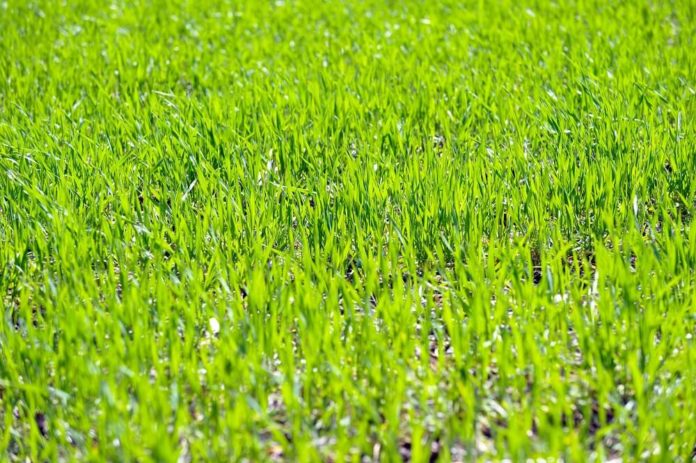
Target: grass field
(347, 230)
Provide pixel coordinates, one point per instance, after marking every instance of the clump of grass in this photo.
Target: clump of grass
(355, 231)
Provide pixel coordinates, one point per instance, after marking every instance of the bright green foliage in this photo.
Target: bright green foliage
(347, 231)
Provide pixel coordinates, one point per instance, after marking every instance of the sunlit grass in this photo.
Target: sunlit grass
(347, 231)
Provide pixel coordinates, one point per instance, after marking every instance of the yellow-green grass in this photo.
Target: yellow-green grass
(347, 230)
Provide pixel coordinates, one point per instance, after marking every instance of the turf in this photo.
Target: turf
(347, 231)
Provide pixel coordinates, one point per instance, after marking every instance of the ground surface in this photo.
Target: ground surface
(357, 230)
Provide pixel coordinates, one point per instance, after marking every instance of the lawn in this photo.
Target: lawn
(347, 230)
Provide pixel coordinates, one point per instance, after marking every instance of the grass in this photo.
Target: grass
(347, 231)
